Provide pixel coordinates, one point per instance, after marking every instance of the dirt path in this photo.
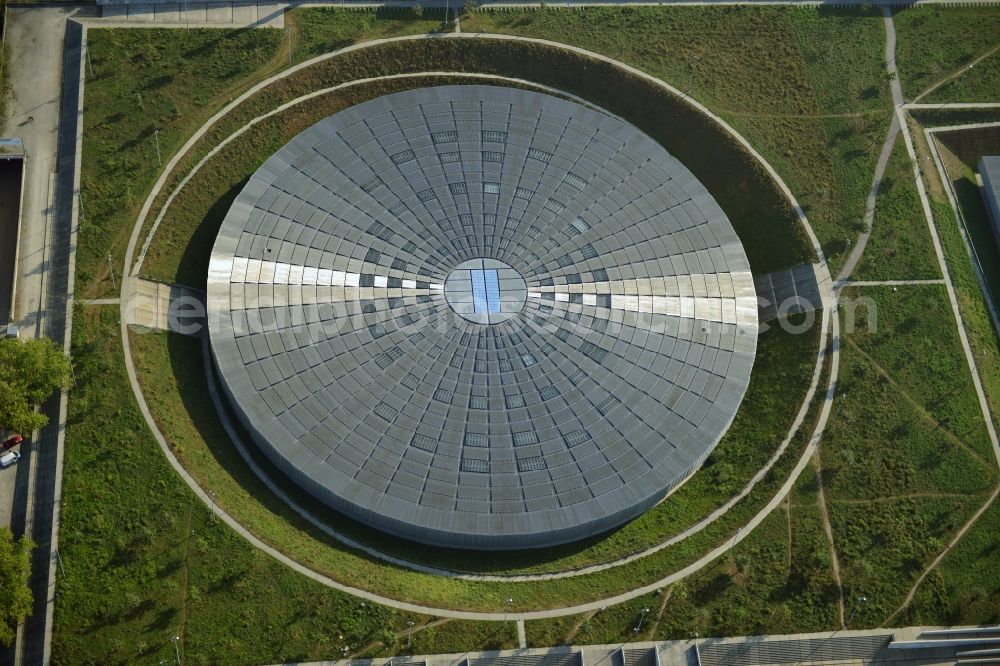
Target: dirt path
(957, 73)
(399, 634)
(659, 614)
(892, 498)
(828, 529)
(926, 415)
(937, 560)
(788, 519)
(575, 629)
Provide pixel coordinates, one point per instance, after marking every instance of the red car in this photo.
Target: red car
(11, 442)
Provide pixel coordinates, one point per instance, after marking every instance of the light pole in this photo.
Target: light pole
(736, 536)
(642, 616)
(112, 269)
(862, 599)
(409, 633)
(177, 651)
(156, 140)
(212, 495)
(506, 607)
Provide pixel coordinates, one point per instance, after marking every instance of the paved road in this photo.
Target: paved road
(34, 48)
(43, 44)
(34, 62)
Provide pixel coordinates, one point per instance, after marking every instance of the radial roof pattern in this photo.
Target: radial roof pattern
(481, 317)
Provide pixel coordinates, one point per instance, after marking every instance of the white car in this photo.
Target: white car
(9, 458)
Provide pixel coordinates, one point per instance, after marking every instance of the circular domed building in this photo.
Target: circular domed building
(481, 317)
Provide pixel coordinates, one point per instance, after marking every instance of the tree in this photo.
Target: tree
(30, 372)
(15, 595)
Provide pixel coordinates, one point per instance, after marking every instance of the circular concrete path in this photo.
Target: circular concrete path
(830, 327)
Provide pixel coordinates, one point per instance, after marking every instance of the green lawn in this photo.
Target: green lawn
(906, 457)
(455, 636)
(758, 210)
(915, 342)
(964, 589)
(883, 546)
(317, 30)
(154, 85)
(936, 42)
(777, 580)
(899, 247)
(805, 86)
(884, 442)
(142, 93)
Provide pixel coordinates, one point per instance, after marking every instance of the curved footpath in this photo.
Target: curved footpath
(830, 326)
(373, 552)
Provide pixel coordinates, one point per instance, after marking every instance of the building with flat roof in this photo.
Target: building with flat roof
(989, 171)
(481, 317)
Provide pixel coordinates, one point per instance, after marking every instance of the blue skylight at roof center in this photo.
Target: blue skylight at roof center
(485, 291)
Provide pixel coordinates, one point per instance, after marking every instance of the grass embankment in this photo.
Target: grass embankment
(758, 210)
(180, 252)
(906, 457)
(139, 94)
(154, 85)
(806, 87)
(934, 43)
(978, 325)
(899, 247)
